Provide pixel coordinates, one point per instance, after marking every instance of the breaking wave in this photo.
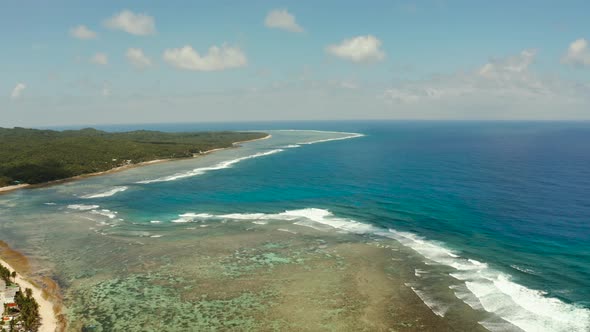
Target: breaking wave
(82, 207)
(107, 193)
(203, 170)
(352, 135)
(230, 163)
(482, 288)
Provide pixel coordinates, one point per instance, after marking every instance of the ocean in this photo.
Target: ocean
(490, 222)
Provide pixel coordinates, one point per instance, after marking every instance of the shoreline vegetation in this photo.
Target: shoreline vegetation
(36, 305)
(31, 158)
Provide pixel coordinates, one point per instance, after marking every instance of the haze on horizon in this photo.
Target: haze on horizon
(115, 62)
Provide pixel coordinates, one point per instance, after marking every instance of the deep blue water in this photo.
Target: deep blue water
(513, 195)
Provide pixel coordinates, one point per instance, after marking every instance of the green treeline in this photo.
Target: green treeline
(28, 309)
(5, 274)
(37, 156)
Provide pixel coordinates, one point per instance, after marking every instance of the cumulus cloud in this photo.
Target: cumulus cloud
(358, 49)
(508, 68)
(82, 32)
(130, 22)
(578, 54)
(505, 81)
(282, 19)
(100, 59)
(217, 58)
(18, 90)
(137, 58)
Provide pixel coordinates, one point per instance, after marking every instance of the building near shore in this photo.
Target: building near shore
(7, 293)
(2, 290)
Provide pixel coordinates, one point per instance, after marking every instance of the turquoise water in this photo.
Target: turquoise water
(501, 208)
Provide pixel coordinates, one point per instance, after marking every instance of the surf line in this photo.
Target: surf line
(230, 163)
(482, 287)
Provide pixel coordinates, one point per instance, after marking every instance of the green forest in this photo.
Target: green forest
(36, 156)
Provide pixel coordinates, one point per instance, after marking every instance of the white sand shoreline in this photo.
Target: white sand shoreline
(14, 187)
(49, 321)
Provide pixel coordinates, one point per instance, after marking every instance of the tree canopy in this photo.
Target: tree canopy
(37, 156)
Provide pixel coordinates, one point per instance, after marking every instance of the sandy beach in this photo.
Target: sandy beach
(12, 188)
(49, 320)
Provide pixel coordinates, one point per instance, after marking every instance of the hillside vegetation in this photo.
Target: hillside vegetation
(37, 156)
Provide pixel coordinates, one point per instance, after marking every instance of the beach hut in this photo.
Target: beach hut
(9, 294)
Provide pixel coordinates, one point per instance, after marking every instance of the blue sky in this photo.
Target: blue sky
(292, 60)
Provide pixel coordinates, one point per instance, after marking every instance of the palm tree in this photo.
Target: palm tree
(29, 292)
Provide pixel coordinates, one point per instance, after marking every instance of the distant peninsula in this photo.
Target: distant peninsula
(33, 156)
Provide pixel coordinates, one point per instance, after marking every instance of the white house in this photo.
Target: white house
(7, 293)
(2, 290)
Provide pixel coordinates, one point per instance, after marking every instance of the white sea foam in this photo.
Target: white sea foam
(462, 292)
(523, 269)
(155, 221)
(319, 216)
(498, 325)
(440, 309)
(105, 213)
(525, 308)
(418, 272)
(230, 163)
(203, 170)
(50, 203)
(286, 230)
(193, 217)
(107, 193)
(352, 135)
(82, 207)
(482, 286)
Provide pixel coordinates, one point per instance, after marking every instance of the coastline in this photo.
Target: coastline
(48, 310)
(8, 189)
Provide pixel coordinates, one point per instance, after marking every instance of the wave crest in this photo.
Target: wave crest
(107, 193)
(482, 287)
(203, 170)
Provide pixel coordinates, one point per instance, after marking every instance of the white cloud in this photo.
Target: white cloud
(137, 58)
(506, 85)
(358, 49)
(18, 90)
(508, 67)
(100, 59)
(217, 58)
(82, 32)
(578, 54)
(130, 22)
(282, 19)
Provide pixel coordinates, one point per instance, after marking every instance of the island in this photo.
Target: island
(34, 156)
